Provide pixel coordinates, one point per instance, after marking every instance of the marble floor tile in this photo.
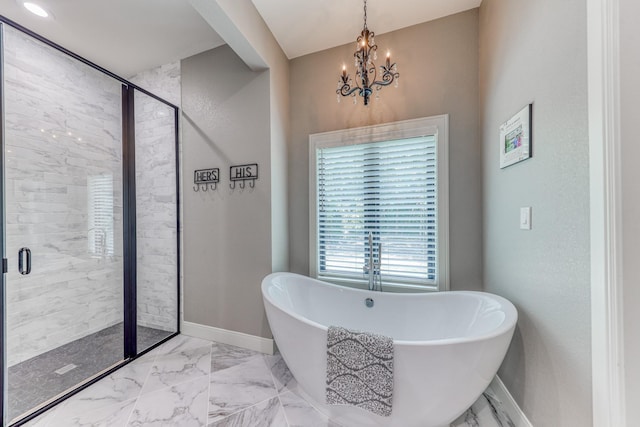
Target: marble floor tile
(265, 414)
(299, 413)
(183, 363)
(107, 416)
(188, 382)
(500, 415)
(183, 405)
(225, 356)
(485, 412)
(123, 385)
(239, 387)
(469, 419)
(281, 374)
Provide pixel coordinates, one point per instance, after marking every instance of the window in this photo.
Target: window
(388, 180)
(100, 221)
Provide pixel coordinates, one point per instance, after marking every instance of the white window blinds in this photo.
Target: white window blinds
(388, 188)
(100, 221)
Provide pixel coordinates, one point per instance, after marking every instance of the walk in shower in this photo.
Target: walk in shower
(89, 222)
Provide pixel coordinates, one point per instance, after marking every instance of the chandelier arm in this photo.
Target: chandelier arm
(347, 90)
(388, 75)
(387, 79)
(372, 70)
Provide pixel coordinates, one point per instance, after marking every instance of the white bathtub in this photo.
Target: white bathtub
(447, 346)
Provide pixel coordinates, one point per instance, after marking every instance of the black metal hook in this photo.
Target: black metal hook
(207, 178)
(232, 185)
(242, 185)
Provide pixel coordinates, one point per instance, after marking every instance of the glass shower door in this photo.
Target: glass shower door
(156, 221)
(64, 222)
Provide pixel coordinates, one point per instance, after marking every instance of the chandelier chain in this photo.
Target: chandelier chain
(365, 14)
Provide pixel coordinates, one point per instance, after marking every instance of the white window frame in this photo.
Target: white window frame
(437, 126)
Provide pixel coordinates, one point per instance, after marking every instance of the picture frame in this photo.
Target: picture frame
(515, 138)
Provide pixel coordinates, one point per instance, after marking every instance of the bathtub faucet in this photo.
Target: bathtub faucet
(372, 268)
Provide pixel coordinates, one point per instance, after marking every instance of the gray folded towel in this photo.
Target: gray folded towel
(359, 370)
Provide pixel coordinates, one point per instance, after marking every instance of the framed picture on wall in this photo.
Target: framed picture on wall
(515, 138)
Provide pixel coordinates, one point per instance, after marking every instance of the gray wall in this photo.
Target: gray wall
(279, 105)
(227, 234)
(438, 65)
(244, 30)
(630, 174)
(536, 52)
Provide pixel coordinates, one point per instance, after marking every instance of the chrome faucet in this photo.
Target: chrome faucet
(372, 268)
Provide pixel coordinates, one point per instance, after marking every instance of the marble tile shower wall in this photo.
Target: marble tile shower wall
(62, 130)
(156, 197)
(163, 81)
(156, 212)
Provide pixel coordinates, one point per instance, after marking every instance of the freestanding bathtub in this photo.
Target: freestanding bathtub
(447, 345)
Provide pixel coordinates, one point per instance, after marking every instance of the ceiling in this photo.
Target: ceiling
(304, 26)
(129, 36)
(123, 36)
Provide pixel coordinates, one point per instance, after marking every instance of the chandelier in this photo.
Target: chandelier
(366, 74)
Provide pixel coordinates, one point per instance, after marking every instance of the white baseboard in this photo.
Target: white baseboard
(239, 339)
(509, 405)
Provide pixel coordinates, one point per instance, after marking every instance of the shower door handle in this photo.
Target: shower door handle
(21, 264)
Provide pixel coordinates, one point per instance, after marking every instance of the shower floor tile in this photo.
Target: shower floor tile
(226, 395)
(40, 378)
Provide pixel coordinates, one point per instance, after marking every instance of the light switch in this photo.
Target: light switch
(525, 218)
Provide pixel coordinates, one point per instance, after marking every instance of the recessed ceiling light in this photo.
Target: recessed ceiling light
(35, 9)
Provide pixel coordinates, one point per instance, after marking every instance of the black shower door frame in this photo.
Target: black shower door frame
(129, 226)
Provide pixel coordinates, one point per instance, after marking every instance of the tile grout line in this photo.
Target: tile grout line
(135, 405)
(291, 392)
(273, 378)
(206, 414)
(284, 412)
(178, 383)
(251, 406)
